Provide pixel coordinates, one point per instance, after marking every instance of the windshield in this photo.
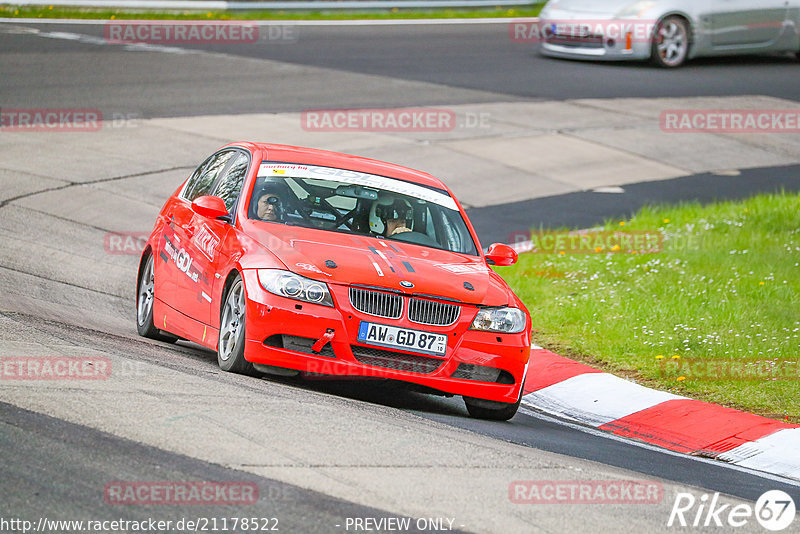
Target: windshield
(339, 200)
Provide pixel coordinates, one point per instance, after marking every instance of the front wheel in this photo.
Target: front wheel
(492, 410)
(230, 348)
(670, 43)
(145, 294)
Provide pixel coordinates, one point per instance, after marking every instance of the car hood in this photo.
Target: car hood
(606, 7)
(363, 260)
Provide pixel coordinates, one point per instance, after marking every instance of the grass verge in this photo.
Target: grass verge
(53, 12)
(712, 315)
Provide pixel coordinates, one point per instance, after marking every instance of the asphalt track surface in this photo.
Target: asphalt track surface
(587, 209)
(57, 471)
(53, 466)
(459, 63)
(77, 460)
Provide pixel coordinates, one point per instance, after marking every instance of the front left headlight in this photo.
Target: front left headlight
(290, 285)
(505, 320)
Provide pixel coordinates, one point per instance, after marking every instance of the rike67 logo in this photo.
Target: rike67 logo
(207, 242)
(774, 510)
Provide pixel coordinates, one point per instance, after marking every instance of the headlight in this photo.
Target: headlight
(505, 320)
(636, 10)
(293, 286)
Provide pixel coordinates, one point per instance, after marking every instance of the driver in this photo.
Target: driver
(269, 206)
(391, 216)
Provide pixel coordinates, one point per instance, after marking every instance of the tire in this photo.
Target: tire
(145, 294)
(670, 47)
(230, 346)
(492, 410)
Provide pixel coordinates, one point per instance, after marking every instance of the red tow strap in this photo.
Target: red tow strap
(324, 340)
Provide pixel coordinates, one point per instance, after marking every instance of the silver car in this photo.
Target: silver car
(668, 32)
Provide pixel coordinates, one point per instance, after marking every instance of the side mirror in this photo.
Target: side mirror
(502, 255)
(210, 206)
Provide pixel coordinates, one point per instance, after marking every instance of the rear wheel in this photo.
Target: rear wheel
(145, 294)
(230, 348)
(492, 410)
(670, 43)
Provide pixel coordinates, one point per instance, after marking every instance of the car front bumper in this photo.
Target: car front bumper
(280, 332)
(596, 37)
(637, 52)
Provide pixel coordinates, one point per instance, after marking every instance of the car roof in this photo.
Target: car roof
(326, 158)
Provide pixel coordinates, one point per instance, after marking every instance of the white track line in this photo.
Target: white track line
(375, 22)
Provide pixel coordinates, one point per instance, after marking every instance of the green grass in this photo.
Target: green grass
(725, 289)
(129, 14)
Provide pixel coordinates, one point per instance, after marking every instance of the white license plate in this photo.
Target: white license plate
(402, 338)
(569, 30)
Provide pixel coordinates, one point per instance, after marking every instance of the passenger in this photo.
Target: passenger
(396, 226)
(391, 216)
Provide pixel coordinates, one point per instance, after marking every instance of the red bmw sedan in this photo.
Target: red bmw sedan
(288, 260)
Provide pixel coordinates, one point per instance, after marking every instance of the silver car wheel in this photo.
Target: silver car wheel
(232, 321)
(144, 304)
(672, 42)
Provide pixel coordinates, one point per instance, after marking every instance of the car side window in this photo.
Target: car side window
(231, 184)
(204, 177)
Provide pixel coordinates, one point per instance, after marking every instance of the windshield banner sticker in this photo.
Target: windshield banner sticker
(357, 178)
